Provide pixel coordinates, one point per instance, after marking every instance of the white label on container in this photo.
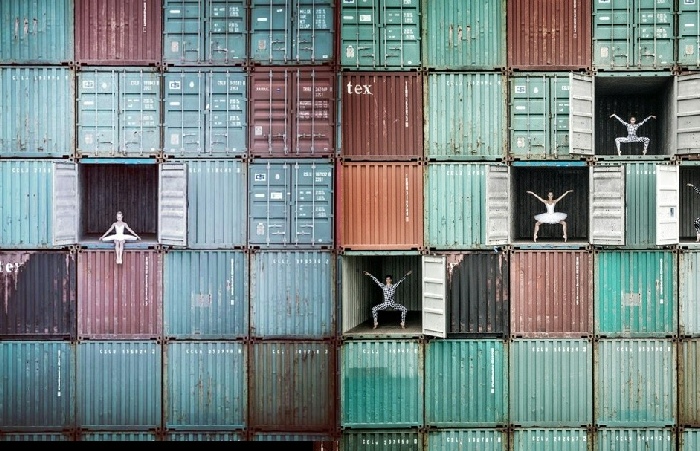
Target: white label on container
(365, 18)
(520, 89)
(276, 195)
(262, 19)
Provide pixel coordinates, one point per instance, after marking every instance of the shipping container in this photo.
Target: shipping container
(292, 294)
(324, 439)
(635, 293)
(120, 32)
(36, 436)
(211, 32)
(286, 33)
(117, 436)
(206, 436)
(292, 386)
(120, 301)
(204, 385)
(465, 114)
(688, 38)
(119, 385)
(551, 382)
(36, 32)
(457, 370)
(688, 202)
(381, 115)
(38, 295)
(291, 203)
(689, 382)
(380, 34)
(542, 35)
(37, 386)
(689, 293)
(205, 113)
(635, 382)
(689, 439)
(551, 293)
(551, 439)
(381, 384)
(467, 439)
(205, 294)
(292, 112)
(635, 439)
(636, 34)
(384, 440)
(380, 206)
(38, 112)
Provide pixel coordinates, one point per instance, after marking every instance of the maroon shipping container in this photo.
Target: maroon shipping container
(118, 32)
(549, 35)
(382, 115)
(379, 205)
(292, 112)
(120, 301)
(551, 294)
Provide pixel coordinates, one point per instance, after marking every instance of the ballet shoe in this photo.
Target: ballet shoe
(375, 325)
(403, 325)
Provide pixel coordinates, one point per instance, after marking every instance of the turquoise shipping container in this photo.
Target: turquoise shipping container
(482, 439)
(688, 34)
(384, 440)
(635, 439)
(689, 293)
(689, 440)
(689, 383)
(551, 439)
(203, 436)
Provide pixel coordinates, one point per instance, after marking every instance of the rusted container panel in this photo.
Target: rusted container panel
(292, 112)
(551, 293)
(120, 301)
(689, 383)
(126, 32)
(382, 115)
(38, 295)
(292, 386)
(546, 35)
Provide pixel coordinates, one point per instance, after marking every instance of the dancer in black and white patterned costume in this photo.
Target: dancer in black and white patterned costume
(696, 223)
(389, 290)
(632, 137)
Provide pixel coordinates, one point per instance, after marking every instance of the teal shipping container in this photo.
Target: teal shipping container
(635, 382)
(205, 113)
(36, 436)
(689, 383)
(292, 294)
(551, 439)
(467, 439)
(457, 370)
(633, 34)
(465, 114)
(119, 385)
(203, 436)
(36, 32)
(117, 436)
(211, 32)
(205, 385)
(380, 34)
(635, 439)
(464, 35)
(689, 440)
(689, 293)
(550, 382)
(37, 109)
(635, 293)
(37, 386)
(205, 294)
(382, 384)
(688, 39)
(384, 440)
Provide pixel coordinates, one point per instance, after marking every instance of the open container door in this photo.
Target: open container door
(667, 203)
(581, 120)
(607, 205)
(172, 204)
(687, 92)
(498, 204)
(434, 296)
(65, 203)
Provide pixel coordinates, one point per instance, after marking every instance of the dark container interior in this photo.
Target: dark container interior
(689, 202)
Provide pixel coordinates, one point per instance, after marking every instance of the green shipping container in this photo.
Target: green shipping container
(689, 34)
(689, 440)
(467, 440)
(389, 440)
(545, 439)
(636, 439)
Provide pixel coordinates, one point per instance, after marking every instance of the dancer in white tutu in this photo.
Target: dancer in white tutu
(550, 217)
(119, 237)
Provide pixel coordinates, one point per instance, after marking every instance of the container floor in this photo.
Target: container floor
(389, 326)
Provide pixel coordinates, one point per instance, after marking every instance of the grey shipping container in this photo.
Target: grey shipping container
(384, 440)
(689, 383)
(551, 439)
(635, 439)
(689, 293)
(473, 439)
(36, 436)
(117, 436)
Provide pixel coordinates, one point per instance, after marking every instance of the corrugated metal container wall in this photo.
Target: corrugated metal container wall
(36, 32)
(205, 294)
(551, 439)
(292, 386)
(292, 112)
(689, 439)
(640, 202)
(281, 437)
(214, 436)
(550, 382)
(380, 34)
(382, 384)
(38, 112)
(635, 382)
(689, 383)
(123, 32)
(37, 386)
(104, 436)
(551, 293)
(119, 385)
(205, 113)
(122, 301)
(635, 439)
(542, 35)
(36, 437)
(635, 293)
(689, 293)
(456, 370)
(689, 34)
(384, 440)
(380, 206)
(38, 295)
(292, 294)
(465, 114)
(382, 115)
(300, 32)
(464, 35)
(205, 32)
(119, 112)
(205, 385)
(467, 439)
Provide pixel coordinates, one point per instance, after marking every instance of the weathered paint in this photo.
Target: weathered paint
(689, 383)
(635, 439)
(689, 439)
(482, 439)
(551, 439)
(689, 293)
(384, 440)
(291, 437)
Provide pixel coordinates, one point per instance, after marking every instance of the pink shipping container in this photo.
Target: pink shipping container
(549, 35)
(118, 32)
(382, 115)
(551, 294)
(120, 301)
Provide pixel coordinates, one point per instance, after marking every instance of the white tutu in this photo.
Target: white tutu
(119, 237)
(550, 218)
